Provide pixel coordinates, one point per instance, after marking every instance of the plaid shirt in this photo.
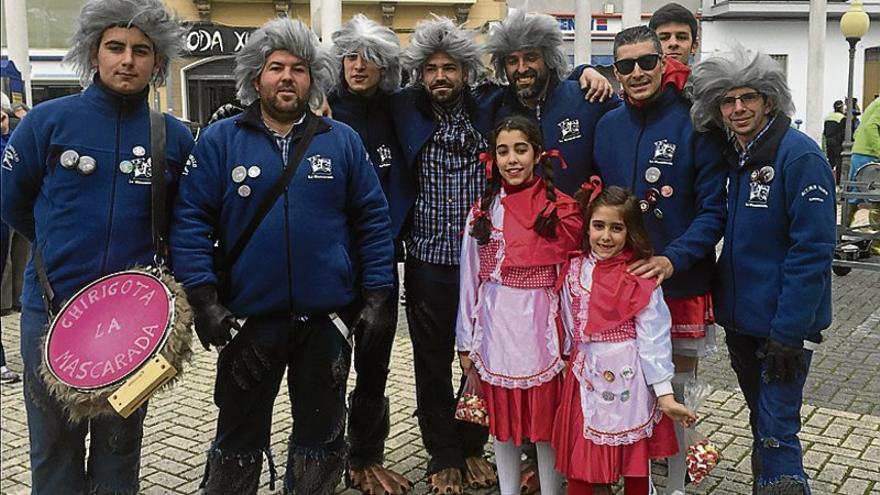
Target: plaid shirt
(283, 142)
(449, 179)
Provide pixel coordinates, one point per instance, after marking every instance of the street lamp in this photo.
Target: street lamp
(854, 24)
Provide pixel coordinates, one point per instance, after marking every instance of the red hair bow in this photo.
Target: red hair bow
(487, 159)
(594, 187)
(555, 154)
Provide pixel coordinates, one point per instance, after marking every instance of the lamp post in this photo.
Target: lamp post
(854, 24)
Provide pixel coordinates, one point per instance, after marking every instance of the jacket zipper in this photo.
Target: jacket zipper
(736, 202)
(287, 245)
(112, 195)
(635, 168)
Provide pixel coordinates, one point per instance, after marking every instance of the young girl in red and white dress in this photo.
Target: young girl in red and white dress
(617, 407)
(520, 234)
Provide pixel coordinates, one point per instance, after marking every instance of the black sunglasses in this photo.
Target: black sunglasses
(646, 62)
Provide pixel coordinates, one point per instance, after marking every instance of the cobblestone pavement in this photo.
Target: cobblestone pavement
(841, 431)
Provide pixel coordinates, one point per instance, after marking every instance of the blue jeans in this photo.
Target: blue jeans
(58, 450)
(774, 412)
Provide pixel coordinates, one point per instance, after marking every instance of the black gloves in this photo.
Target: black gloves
(783, 363)
(374, 318)
(213, 321)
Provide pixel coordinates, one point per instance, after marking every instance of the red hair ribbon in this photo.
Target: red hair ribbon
(548, 210)
(594, 187)
(478, 214)
(487, 159)
(555, 154)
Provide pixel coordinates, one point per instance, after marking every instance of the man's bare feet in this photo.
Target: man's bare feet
(479, 473)
(378, 480)
(447, 481)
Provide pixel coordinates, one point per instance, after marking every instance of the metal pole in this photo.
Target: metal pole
(816, 68)
(846, 155)
(17, 43)
(331, 20)
(583, 22)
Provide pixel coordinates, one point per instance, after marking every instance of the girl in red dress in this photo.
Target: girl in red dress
(617, 406)
(520, 235)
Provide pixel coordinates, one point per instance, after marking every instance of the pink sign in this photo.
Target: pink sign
(109, 329)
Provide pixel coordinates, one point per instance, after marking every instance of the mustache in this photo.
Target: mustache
(526, 73)
(441, 84)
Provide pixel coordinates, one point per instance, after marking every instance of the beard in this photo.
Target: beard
(534, 90)
(284, 110)
(448, 96)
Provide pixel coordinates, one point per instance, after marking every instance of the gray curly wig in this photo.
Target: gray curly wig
(712, 78)
(377, 44)
(150, 16)
(520, 31)
(440, 34)
(289, 35)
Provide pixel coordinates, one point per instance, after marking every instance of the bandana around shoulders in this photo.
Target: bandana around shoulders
(523, 245)
(616, 296)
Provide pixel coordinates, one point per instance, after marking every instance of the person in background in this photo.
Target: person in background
(368, 61)
(678, 30)
(833, 134)
(6, 374)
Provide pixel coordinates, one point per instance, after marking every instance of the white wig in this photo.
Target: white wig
(377, 44)
(289, 35)
(522, 31)
(712, 78)
(150, 16)
(440, 34)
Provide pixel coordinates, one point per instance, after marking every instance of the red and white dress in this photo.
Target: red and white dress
(609, 423)
(507, 318)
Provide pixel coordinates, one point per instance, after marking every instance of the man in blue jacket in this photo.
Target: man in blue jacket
(441, 131)
(368, 63)
(318, 265)
(70, 188)
(649, 146)
(773, 286)
(531, 68)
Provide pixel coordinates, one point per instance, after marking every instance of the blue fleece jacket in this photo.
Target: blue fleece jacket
(774, 274)
(568, 123)
(86, 226)
(370, 117)
(660, 136)
(415, 123)
(325, 238)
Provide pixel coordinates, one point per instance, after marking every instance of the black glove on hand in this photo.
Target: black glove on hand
(212, 320)
(374, 318)
(784, 363)
(250, 362)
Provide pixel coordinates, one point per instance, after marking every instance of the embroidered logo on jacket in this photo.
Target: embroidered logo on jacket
(758, 194)
(190, 163)
(142, 173)
(322, 167)
(384, 156)
(663, 152)
(571, 130)
(10, 157)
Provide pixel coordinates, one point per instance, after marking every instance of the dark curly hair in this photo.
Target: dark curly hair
(616, 197)
(543, 225)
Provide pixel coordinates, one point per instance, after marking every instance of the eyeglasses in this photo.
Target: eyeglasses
(747, 99)
(646, 62)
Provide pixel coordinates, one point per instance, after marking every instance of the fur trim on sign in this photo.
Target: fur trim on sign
(177, 349)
